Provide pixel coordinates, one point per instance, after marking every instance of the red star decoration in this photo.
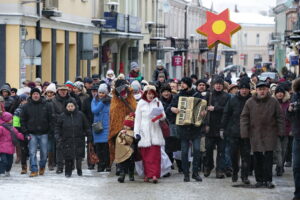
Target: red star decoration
(218, 28)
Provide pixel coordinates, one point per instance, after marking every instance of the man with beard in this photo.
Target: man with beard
(122, 104)
(231, 123)
(188, 133)
(262, 121)
(59, 103)
(217, 99)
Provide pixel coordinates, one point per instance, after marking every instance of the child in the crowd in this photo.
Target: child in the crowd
(8, 140)
(17, 125)
(124, 155)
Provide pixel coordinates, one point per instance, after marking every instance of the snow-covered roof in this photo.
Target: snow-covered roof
(251, 18)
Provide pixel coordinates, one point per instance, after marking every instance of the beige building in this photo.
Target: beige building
(250, 44)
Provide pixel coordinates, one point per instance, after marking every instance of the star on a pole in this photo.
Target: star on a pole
(218, 28)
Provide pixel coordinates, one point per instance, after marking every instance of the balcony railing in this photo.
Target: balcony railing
(158, 32)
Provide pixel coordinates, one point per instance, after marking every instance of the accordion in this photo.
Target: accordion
(190, 109)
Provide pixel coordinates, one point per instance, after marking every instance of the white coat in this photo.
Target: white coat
(150, 132)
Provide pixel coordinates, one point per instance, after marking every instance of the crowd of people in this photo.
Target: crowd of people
(252, 125)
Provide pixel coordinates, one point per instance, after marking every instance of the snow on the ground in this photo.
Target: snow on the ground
(96, 186)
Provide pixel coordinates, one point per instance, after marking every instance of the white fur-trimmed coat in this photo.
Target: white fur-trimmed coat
(150, 132)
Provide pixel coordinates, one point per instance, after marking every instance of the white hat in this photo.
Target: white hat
(136, 86)
(38, 80)
(51, 88)
(159, 63)
(79, 85)
(149, 87)
(103, 88)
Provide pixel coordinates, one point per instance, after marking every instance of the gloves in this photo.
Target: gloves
(222, 134)
(137, 138)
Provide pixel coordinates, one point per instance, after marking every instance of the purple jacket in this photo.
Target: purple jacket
(6, 144)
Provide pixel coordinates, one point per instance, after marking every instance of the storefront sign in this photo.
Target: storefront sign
(294, 60)
(111, 20)
(177, 61)
(121, 22)
(134, 24)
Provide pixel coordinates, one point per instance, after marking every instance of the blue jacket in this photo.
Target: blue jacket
(100, 109)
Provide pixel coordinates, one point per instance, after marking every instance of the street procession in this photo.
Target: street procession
(140, 99)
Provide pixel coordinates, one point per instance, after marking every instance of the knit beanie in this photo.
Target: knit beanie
(188, 81)
(136, 86)
(134, 65)
(103, 88)
(51, 88)
(244, 84)
(279, 89)
(33, 90)
(79, 85)
(69, 84)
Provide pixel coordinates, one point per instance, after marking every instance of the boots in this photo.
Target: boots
(50, 161)
(18, 152)
(121, 177)
(206, 172)
(33, 174)
(196, 176)
(68, 168)
(24, 169)
(42, 171)
(179, 166)
(186, 178)
(79, 167)
(131, 175)
(235, 177)
(220, 175)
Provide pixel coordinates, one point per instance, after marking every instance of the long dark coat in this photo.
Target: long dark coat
(72, 128)
(262, 120)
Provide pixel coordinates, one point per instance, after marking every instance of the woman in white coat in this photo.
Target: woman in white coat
(148, 113)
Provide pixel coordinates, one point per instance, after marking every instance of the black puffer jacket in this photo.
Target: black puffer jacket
(231, 115)
(294, 116)
(219, 100)
(36, 117)
(59, 103)
(171, 117)
(187, 131)
(72, 128)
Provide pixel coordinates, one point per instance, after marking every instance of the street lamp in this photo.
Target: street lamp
(99, 23)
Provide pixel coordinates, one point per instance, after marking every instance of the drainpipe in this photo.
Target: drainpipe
(38, 36)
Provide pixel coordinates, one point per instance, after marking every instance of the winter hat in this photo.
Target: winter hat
(144, 82)
(5, 87)
(159, 63)
(165, 87)
(134, 65)
(273, 86)
(110, 71)
(23, 97)
(38, 80)
(78, 78)
(46, 83)
(232, 86)
(103, 88)
(219, 80)
(188, 81)
(262, 84)
(120, 82)
(95, 87)
(129, 120)
(244, 84)
(79, 85)
(279, 89)
(88, 80)
(33, 90)
(136, 86)
(31, 85)
(95, 76)
(69, 84)
(62, 87)
(6, 117)
(51, 88)
(149, 87)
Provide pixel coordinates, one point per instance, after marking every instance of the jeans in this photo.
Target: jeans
(6, 161)
(210, 143)
(196, 155)
(42, 141)
(296, 166)
(263, 165)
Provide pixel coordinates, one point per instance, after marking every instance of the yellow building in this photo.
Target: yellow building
(68, 37)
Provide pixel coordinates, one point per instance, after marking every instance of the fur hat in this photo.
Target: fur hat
(33, 90)
(103, 88)
(129, 120)
(149, 87)
(219, 80)
(296, 85)
(244, 84)
(120, 82)
(188, 81)
(51, 88)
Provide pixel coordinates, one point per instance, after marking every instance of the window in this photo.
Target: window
(257, 39)
(245, 38)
